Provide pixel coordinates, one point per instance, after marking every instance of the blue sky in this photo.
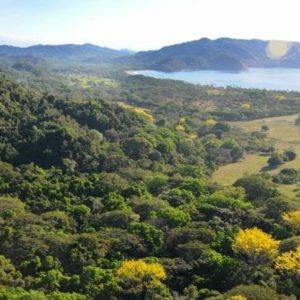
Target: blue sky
(144, 24)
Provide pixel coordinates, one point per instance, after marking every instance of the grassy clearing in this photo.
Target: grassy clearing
(283, 134)
(215, 92)
(88, 81)
(290, 190)
(251, 164)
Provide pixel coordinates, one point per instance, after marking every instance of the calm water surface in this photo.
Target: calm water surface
(271, 79)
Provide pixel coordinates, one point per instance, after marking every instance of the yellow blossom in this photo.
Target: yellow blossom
(254, 243)
(193, 136)
(181, 121)
(280, 97)
(139, 273)
(237, 297)
(289, 262)
(292, 218)
(210, 122)
(143, 113)
(179, 128)
(246, 106)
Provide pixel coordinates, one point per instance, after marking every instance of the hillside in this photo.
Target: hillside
(221, 54)
(106, 190)
(86, 52)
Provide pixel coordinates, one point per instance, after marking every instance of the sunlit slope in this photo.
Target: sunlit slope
(282, 133)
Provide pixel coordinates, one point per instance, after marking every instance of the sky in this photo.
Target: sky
(145, 24)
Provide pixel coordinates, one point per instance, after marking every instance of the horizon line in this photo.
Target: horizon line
(133, 50)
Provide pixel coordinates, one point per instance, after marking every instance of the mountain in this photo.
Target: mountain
(220, 54)
(86, 52)
(223, 54)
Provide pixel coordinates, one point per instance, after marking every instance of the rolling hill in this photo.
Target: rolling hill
(86, 52)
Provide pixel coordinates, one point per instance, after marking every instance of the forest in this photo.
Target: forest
(106, 188)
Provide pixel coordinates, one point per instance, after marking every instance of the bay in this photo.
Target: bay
(267, 78)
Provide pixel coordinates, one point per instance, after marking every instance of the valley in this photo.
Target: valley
(121, 186)
(149, 150)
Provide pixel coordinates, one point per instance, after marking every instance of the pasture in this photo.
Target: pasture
(283, 134)
(90, 81)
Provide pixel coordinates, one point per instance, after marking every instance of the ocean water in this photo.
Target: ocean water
(267, 78)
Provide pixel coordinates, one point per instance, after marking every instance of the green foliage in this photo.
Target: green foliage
(251, 292)
(98, 283)
(275, 160)
(196, 186)
(286, 176)
(9, 276)
(279, 158)
(137, 147)
(152, 236)
(88, 185)
(20, 294)
(177, 197)
(172, 217)
(156, 184)
(118, 218)
(113, 201)
(257, 188)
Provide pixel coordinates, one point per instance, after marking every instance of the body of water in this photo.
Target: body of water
(271, 78)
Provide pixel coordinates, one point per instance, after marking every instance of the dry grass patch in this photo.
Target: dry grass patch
(284, 134)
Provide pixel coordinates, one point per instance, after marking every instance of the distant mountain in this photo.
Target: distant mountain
(86, 52)
(221, 54)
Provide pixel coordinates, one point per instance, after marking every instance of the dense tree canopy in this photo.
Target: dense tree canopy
(112, 199)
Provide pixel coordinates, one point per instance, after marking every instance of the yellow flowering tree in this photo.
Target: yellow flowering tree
(143, 113)
(255, 245)
(179, 127)
(246, 106)
(280, 97)
(210, 122)
(237, 297)
(293, 219)
(137, 276)
(289, 262)
(181, 121)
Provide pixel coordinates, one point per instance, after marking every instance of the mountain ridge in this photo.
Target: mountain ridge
(225, 54)
(65, 51)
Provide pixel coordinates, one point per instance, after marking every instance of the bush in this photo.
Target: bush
(289, 155)
(275, 160)
(257, 188)
(254, 292)
(286, 176)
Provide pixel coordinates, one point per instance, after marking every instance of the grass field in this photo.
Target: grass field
(251, 164)
(283, 133)
(88, 81)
